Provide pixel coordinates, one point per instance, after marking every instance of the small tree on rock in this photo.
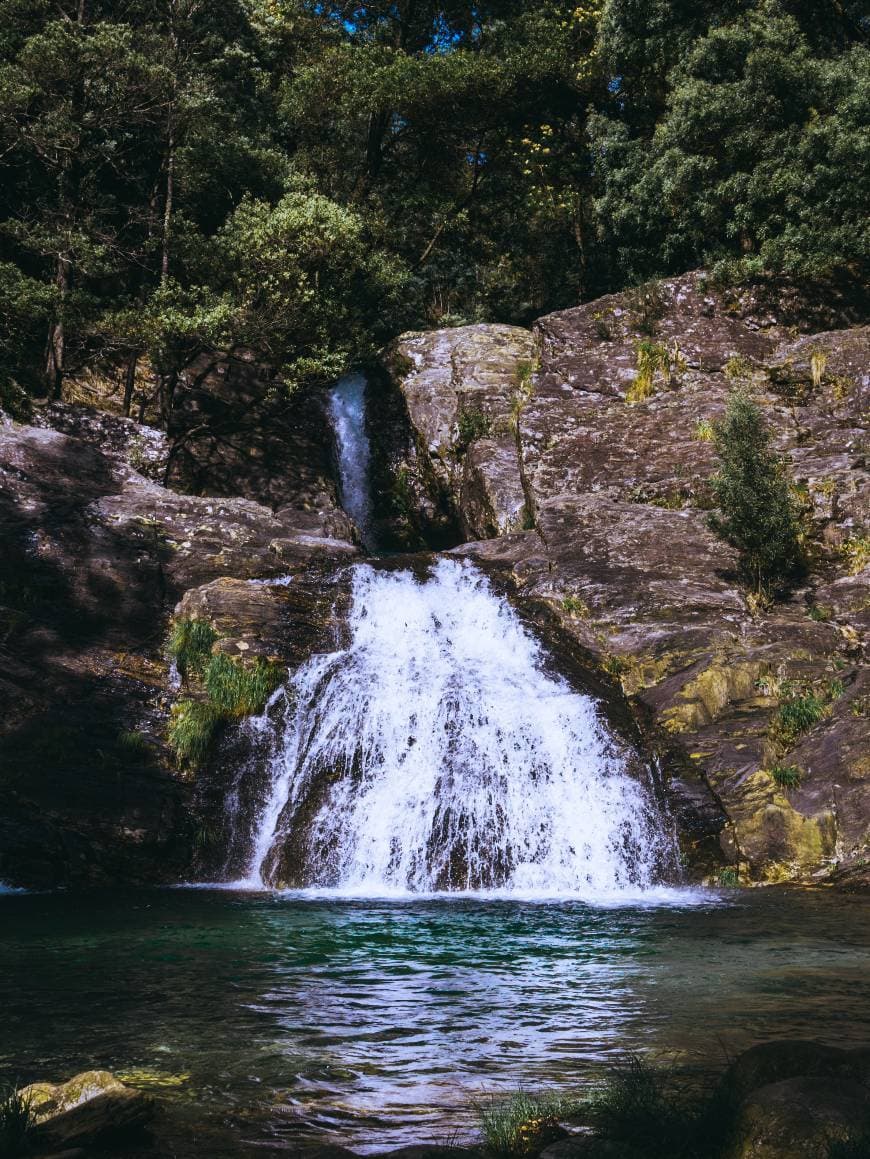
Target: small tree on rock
(757, 512)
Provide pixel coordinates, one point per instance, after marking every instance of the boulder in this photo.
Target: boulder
(92, 1107)
(773, 1062)
(800, 1118)
(604, 522)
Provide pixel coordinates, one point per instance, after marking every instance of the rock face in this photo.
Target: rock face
(93, 1107)
(95, 556)
(621, 549)
(461, 391)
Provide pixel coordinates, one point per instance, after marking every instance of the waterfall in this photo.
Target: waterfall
(347, 410)
(434, 751)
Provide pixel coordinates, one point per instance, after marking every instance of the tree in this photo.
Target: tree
(757, 513)
(759, 157)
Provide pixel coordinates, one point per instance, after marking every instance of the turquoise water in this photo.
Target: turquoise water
(376, 1023)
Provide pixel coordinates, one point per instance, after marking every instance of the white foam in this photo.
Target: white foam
(435, 751)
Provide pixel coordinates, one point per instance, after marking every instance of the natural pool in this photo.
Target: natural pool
(376, 1023)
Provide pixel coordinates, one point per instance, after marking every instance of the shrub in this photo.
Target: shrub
(758, 514)
(16, 1121)
(729, 877)
(521, 1124)
(235, 689)
(190, 644)
(192, 726)
(648, 304)
(786, 776)
(737, 368)
(704, 431)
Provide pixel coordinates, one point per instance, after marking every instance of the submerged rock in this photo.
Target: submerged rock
(92, 1107)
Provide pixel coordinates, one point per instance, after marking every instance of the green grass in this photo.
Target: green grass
(786, 776)
(797, 716)
(16, 1121)
(192, 726)
(522, 1123)
(190, 644)
(729, 878)
(237, 689)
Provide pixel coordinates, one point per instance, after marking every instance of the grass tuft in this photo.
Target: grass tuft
(190, 644)
(192, 726)
(236, 689)
(523, 1123)
(786, 776)
(16, 1122)
(655, 1113)
(652, 359)
(797, 716)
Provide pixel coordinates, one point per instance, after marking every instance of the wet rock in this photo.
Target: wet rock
(800, 1118)
(92, 1107)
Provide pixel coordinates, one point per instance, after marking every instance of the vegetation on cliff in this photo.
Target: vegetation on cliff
(310, 178)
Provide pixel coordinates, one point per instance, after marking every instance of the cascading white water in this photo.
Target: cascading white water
(347, 409)
(434, 752)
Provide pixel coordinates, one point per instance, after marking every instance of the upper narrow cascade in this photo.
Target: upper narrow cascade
(347, 408)
(433, 752)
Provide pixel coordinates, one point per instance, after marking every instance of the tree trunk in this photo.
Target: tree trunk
(169, 196)
(54, 365)
(130, 383)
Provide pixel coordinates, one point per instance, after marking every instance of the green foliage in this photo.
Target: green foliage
(574, 606)
(230, 688)
(856, 552)
(758, 514)
(704, 431)
(471, 425)
(730, 127)
(236, 689)
(190, 644)
(192, 726)
(16, 1123)
(786, 776)
(729, 878)
(523, 1123)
